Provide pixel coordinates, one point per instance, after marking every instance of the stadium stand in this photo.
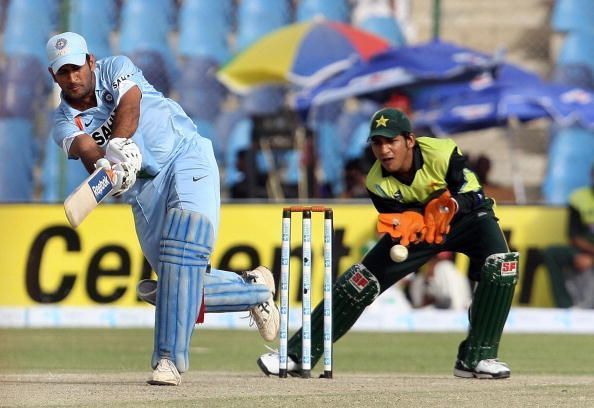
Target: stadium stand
(200, 36)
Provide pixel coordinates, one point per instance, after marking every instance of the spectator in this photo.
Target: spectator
(440, 285)
(354, 179)
(482, 167)
(571, 267)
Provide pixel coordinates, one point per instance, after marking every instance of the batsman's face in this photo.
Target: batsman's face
(76, 82)
(394, 154)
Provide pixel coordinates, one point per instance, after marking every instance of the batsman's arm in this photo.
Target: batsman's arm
(127, 114)
(85, 148)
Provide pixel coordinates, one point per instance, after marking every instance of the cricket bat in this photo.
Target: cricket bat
(87, 196)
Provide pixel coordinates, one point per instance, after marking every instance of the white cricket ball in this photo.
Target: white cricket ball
(398, 253)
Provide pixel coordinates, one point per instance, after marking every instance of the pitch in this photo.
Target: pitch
(103, 367)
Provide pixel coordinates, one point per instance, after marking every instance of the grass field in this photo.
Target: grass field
(98, 367)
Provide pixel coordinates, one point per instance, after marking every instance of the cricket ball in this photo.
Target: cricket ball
(398, 253)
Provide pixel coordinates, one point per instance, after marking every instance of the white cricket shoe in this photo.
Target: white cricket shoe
(269, 364)
(485, 369)
(165, 374)
(265, 315)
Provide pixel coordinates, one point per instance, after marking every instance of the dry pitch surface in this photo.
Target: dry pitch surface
(219, 389)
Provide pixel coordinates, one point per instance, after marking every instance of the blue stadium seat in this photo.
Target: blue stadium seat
(207, 11)
(18, 155)
(27, 28)
(385, 27)
(59, 176)
(353, 129)
(164, 9)
(206, 129)
(570, 160)
(225, 123)
(94, 20)
(200, 93)
(203, 29)
(23, 86)
(154, 68)
(263, 100)
(577, 48)
(572, 15)
(337, 10)
(328, 146)
(256, 18)
(577, 74)
(144, 26)
(357, 142)
(239, 139)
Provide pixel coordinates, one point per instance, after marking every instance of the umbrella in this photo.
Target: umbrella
(489, 101)
(428, 63)
(301, 54)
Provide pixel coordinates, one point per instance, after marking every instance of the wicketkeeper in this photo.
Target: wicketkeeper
(429, 201)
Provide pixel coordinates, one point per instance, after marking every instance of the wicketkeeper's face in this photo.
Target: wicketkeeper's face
(76, 81)
(394, 154)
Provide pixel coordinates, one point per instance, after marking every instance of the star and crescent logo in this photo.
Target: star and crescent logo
(381, 121)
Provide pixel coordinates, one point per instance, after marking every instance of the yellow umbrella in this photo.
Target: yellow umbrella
(301, 54)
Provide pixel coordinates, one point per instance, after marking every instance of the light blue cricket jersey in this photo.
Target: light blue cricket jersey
(163, 126)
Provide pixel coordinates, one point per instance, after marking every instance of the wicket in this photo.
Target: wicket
(306, 293)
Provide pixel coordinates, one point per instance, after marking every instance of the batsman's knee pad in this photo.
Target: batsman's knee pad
(490, 306)
(229, 292)
(353, 291)
(186, 245)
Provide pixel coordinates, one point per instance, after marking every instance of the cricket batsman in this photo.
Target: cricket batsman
(428, 201)
(110, 116)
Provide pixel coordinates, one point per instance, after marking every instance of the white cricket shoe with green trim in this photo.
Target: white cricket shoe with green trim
(485, 369)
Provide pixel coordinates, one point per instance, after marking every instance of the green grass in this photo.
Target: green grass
(126, 350)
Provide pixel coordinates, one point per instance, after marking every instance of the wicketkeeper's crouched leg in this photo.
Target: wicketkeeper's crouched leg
(477, 354)
(356, 289)
(186, 245)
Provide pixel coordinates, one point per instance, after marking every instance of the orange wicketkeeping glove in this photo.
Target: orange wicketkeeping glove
(438, 215)
(408, 226)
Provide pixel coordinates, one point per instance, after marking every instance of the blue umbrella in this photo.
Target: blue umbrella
(429, 63)
(489, 101)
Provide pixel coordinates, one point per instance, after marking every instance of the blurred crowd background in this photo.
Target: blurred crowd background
(180, 45)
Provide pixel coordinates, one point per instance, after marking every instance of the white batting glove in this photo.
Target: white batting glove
(124, 178)
(123, 150)
(123, 175)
